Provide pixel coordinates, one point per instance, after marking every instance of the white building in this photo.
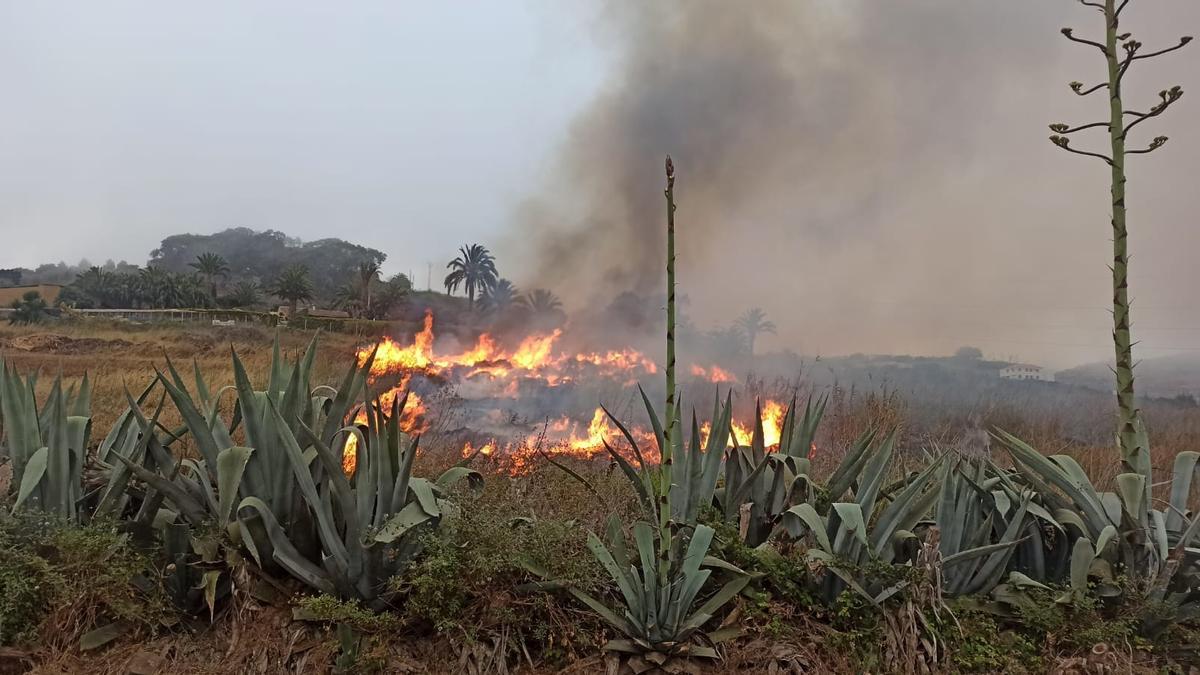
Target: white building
(1026, 371)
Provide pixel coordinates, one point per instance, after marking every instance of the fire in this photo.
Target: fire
(489, 371)
(773, 413)
(390, 357)
(412, 421)
(534, 357)
(597, 433)
(714, 374)
(486, 449)
(564, 438)
(534, 351)
(613, 360)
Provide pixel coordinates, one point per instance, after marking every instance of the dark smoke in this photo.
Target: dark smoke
(821, 148)
(786, 117)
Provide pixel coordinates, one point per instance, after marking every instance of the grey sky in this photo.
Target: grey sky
(408, 126)
(941, 215)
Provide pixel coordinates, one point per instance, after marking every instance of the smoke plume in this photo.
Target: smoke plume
(859, 169)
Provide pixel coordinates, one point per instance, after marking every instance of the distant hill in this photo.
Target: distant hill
(263, 255)
(1164, 376)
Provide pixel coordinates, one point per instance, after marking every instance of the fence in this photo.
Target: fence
(361, 327)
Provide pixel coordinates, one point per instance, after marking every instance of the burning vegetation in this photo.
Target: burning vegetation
(535, 398)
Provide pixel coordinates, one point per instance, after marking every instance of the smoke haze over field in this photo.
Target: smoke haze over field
(876, 175)
(873, 174)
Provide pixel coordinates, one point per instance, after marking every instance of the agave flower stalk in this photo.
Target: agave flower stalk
(664, 488)
(1130, 434)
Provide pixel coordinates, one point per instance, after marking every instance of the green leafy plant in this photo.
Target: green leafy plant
(47, 446)
(29, 309)
(1120, 533)
(285, 496)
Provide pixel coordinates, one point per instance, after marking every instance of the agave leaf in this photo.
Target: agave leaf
(1181, 488)
(404, 476)
(728, 592)
(231, 464)
(852, 521)
(1131, 488)
(1094, 515)
(31, 477)
(604, 612)
(195, 422)
(325, 525)
(185, 503)
(284, 552)
(804, 518)
(81, 404)
(848, 470)
(457, 473)
(409, 518)
(874, 473)
(347, 393)
(98, 637)
(903, 512)
(423, 491)
(1082, 555)
(643, 534)
(639, 479)
(655, 424)
(606, 560)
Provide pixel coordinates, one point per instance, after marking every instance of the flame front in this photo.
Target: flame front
(412, 421)
(489, 371)
(714, 374)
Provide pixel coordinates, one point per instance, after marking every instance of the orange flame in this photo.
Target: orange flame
(714, 374)
(412, 421)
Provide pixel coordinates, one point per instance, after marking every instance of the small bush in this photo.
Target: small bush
(469, 581)
(69, 579)
(326, 608)
(26, 587)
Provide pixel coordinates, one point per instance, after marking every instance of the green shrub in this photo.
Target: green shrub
(979, 644)
(78, 577)
(328, 609)
(467, 574)
(26, 586)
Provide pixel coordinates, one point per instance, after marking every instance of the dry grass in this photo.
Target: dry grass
(117, 356)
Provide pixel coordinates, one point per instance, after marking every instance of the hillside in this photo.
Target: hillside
(1164, 377)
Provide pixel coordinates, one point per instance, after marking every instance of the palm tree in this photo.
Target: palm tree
(390, 294)
(350, 298)
(752, 323)
(541, 304)
(211, 266)
(95, 284)
(245, 294)
(293, 286)
(368, 274)
(474, 269)
(499, 298)
(157, 287)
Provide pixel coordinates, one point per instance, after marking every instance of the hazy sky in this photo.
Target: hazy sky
(875, 174)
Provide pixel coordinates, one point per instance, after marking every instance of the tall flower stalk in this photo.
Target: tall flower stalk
(1130, 437)
(671, 427)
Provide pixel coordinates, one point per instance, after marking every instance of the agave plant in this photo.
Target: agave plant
(48, 446)
(760, 486)
(979, 527)
(697, 463)
(284, 496)
(660, 620)
(1120, 532)
(851, 534)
